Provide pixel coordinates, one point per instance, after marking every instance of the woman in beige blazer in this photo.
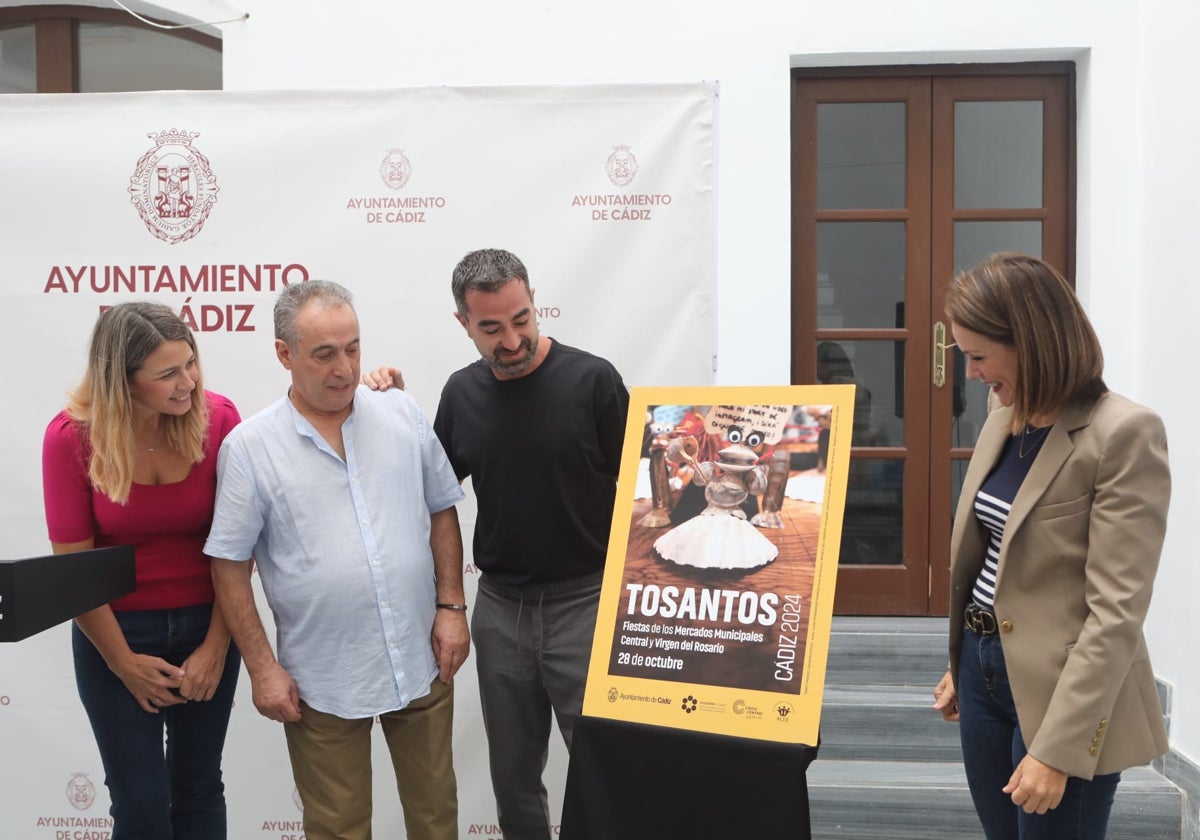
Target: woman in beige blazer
(1053, 555)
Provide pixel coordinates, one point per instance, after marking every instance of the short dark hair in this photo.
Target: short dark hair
(1023, 302)
(486, 270)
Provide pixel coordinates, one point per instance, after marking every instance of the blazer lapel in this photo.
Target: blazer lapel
(1054, 453)
(966, 542)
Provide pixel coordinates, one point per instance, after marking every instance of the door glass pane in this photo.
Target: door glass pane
(876, 368)
(998, 154)
(18, 60)
(860, 155)
(114, 58)
(860, 274)
(873, 528)
(973, 241)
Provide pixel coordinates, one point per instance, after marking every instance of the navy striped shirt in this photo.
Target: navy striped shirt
(994, 501)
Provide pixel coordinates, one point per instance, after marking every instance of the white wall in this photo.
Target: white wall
(1137, 171)
(1162, 341)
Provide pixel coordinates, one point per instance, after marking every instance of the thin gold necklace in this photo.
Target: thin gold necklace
(1021, 453)
(150, 449)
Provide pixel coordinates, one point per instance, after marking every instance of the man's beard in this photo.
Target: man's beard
(511, 366)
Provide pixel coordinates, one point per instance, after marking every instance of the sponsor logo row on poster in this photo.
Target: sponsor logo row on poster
(781, 711)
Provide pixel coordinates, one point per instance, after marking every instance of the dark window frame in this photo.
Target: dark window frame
(56, 29)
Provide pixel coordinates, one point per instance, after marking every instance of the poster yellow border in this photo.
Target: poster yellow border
(790, 714)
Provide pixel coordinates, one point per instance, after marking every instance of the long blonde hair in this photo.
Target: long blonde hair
(121, 340)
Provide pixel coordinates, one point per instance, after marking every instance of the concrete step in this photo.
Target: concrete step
(890, 768)
(887, 651)
(885, 723)
(895, 800)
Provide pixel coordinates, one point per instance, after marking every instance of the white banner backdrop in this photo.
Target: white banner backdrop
(209, 202)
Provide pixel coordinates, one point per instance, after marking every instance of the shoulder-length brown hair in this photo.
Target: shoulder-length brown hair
(121, 340)
(1021, 301)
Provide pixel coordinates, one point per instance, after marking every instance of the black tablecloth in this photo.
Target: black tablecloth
(632, 781)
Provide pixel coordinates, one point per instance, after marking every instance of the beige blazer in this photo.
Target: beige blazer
(1077, 564)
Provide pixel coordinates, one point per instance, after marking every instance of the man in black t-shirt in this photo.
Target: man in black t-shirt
(538, 427)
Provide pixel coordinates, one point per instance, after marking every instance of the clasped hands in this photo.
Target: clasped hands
(157, 684)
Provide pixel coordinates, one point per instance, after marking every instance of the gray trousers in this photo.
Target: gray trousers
(532, 646)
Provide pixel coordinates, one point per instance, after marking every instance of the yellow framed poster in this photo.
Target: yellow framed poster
(718, 589)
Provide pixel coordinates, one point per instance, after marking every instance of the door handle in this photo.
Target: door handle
(939, 354)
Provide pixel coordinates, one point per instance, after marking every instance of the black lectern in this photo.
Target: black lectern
(40, 592)
(630, 781)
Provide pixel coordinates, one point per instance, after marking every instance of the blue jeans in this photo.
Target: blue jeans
(992, 747)
(159, 793)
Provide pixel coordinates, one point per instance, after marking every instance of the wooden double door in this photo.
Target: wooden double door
(900, 179)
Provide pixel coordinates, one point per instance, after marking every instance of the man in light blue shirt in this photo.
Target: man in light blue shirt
(345, 499)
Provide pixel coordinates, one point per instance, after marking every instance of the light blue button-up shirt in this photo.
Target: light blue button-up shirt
(342, 548)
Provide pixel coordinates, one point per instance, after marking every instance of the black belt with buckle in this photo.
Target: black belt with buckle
(980, 619)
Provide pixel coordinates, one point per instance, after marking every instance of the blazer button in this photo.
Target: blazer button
(1093, 751)
(1005, 626)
